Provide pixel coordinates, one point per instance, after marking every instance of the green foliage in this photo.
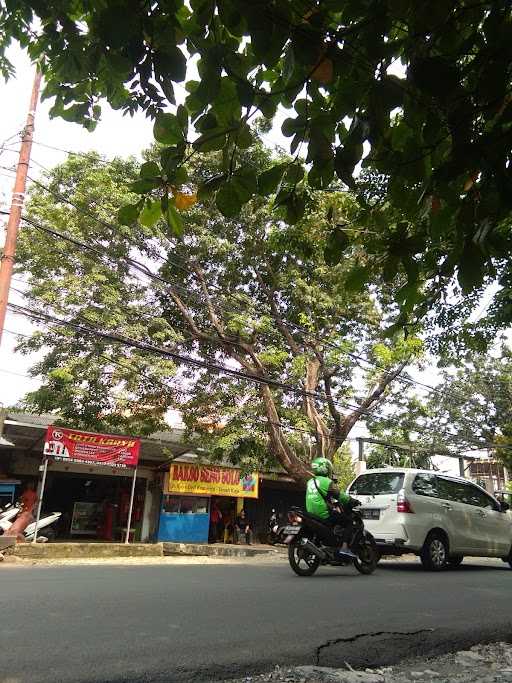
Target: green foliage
(407, 432)
(343, 466)
(232, 291)
(474, 404)
(438, 129)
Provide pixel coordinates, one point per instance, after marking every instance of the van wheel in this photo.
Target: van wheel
(508, 560)
(455, 560)
(434, 554)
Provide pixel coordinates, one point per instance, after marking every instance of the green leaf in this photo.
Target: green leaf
(244, 137)
(167, 129)
(209, 186)
(172, 217)
(436, 76)
(180, 177)
(171, 157)
(128, 214)
(321, 175)
(294, 174)
(228, 202)
(295, 207)
(145, 185)
(211, 141)
(245, 184)
(357, 278)
(149, 170)
(269, 180)
(470, 272)
(292, 126)
(150, 214)
(337, 243)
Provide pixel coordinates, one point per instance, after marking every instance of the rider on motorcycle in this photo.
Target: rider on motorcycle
(322, 499)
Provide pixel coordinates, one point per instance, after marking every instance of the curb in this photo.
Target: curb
(215, 550)
(59, 551)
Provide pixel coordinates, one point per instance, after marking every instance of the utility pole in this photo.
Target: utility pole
(18, 196)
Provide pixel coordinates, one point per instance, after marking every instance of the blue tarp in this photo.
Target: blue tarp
(183, 528)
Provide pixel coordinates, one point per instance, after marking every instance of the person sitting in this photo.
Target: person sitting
(243, 528)
(325, 500)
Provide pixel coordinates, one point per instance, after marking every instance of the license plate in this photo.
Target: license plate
(291, 530)
(370, 514)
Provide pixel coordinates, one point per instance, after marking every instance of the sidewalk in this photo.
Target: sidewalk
(133, 553)
(481, 664)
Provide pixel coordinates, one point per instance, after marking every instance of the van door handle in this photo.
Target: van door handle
(447, 506)
(481, 513)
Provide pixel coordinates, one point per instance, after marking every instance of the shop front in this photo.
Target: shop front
(94, 506)
(193, 497)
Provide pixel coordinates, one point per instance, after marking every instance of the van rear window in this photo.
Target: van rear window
(377, 484)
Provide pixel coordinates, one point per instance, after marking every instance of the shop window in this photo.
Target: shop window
(185, 505)
(171, 504)
(201, 506)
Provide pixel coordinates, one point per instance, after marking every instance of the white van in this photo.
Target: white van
(438, 517)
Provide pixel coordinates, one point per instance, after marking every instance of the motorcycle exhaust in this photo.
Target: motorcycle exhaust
(318, 552)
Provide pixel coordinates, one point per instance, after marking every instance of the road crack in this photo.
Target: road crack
(358, 636)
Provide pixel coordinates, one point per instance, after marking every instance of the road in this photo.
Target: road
(208, 622)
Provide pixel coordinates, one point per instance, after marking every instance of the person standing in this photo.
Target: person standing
(215, 521)
(27, 501)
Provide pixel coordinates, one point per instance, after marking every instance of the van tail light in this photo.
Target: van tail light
(402, 504)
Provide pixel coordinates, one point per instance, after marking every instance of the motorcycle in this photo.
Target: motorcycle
(275, 533)
(8, 515)
(312, 542)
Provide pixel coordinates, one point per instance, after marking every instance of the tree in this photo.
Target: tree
(474, 405)
(250, 294)
(343, 466)
(406, 432)
(426, 87)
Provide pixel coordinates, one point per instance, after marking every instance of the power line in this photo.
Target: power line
(17, 374)
(292, 327)
(213, 367)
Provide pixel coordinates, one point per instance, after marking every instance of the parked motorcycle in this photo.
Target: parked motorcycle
(9, 514)
(312, 542)
(276, 526)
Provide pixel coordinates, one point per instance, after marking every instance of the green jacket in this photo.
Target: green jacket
(317, 490)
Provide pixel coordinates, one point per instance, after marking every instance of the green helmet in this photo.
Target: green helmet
(322, 467)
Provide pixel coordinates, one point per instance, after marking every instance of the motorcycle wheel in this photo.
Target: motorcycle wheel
(367, 559)
(301, 561)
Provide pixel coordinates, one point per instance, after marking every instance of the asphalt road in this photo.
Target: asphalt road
(209, 622)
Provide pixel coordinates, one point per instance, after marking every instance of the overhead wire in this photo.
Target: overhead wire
(290, 326)
(147, 272)
(209, 366)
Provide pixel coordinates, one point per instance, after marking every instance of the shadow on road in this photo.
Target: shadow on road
(417, 567)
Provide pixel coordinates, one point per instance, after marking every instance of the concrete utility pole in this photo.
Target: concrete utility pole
(18, 196)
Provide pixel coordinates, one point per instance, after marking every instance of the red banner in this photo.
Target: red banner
(87, 448)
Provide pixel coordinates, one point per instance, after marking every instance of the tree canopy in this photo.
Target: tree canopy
(248, 293)
(474, 404)
(423, 90)
(417, 92)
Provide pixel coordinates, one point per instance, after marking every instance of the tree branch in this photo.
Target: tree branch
(311, 383)
(372, 397)
(290, 462)
(281, 326)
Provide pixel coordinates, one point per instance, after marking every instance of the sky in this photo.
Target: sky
(115, 135)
